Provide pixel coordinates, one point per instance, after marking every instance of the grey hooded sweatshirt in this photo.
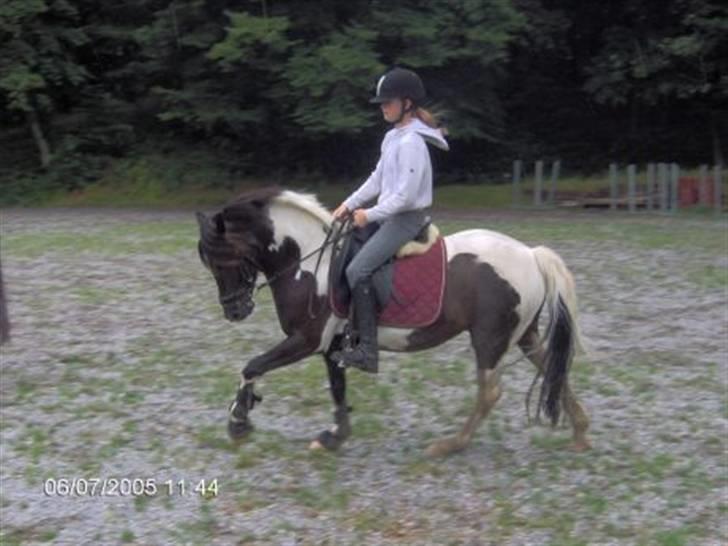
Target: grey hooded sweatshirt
(403, 176)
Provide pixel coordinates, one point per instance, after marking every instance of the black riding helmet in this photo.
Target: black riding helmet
(399, 83)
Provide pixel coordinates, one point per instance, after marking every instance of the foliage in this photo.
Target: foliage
(38, 65)
(283, 86)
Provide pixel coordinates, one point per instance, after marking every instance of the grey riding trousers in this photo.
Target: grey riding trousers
(394, 232)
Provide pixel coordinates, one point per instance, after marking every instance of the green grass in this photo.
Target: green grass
(677, 233)
(710, 276)
(321, 498)
(558, 440)
(34, 444)
(683, 536)
(215, 437)
(191, 178)
(469, 197)
(199, 530)
(261, 445)
(656, 467)
(158, 238)
(151, 364)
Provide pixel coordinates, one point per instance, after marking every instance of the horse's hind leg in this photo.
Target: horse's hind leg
(531, 345)
(489, 391)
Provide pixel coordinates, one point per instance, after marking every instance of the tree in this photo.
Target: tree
(38, 67)
(673, 55)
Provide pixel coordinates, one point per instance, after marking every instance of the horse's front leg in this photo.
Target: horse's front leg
(333, 438)
(290, 350)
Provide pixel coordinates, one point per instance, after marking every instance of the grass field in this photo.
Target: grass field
(194, 178)
(121, 365)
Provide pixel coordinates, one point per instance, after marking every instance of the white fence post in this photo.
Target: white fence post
(613, 190)
(555, 170)
(674, 180)
(538, 184)
(516, 197)
(650, 185)
(662, 173)
(631, 171)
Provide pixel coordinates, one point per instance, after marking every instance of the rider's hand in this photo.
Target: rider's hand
(360, 218)
(341, 212)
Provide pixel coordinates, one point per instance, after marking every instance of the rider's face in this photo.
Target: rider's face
(392, 109)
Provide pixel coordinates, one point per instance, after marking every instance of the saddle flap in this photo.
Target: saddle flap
(343, 253)
(418, 288)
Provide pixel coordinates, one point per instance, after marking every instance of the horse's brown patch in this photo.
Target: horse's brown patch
(476, 299)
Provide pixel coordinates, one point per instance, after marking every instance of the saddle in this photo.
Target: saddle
(409, 289)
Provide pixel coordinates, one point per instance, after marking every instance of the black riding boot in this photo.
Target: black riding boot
(365, 355)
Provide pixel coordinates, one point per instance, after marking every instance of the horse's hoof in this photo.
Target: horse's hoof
(327, 440)
(444, 447)
(238, 430)
(581, 445)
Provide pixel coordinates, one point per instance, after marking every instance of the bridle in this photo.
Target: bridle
(334, 233)
(248, 271)
(333, 236)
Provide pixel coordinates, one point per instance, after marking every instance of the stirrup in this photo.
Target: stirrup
(358, 357)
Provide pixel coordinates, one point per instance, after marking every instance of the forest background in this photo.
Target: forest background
(170, 95)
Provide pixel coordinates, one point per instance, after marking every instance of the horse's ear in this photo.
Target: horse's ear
(201, 220)
(219, 223)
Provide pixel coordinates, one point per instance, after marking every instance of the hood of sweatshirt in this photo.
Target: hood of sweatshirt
(431, 136)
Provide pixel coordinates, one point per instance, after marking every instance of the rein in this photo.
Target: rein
(331, 239)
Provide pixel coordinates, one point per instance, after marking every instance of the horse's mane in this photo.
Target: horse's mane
(227, 245)
(259, 195)
(306, 202)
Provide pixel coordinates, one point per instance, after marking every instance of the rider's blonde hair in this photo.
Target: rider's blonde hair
(429, 119)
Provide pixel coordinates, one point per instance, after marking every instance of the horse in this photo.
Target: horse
(496, 289)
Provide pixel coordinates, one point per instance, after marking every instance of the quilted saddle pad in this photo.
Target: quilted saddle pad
(418, 288)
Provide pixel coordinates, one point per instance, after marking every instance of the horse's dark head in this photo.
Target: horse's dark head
(230, 246)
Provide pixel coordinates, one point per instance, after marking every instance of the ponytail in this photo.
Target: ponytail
(429, 119)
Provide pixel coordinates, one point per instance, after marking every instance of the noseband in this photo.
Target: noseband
(248, 271)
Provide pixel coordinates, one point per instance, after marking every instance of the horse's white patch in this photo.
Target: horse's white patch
(512, 260)
(272, 247)
(308, 203)
(301, 218)
(334, 325)
(298, 275)
(234, 405)
(393, 339)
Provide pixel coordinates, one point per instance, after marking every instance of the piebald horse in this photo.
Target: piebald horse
(496, 289)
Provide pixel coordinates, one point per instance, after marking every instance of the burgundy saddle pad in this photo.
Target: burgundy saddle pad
(418, 288)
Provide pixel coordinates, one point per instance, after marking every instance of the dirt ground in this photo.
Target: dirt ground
(121, 366)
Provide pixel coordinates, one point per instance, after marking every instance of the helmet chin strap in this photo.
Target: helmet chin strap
(404, 111)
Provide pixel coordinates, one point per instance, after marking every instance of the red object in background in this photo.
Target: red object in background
(689, 191)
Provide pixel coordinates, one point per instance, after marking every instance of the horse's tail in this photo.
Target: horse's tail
(563, 338)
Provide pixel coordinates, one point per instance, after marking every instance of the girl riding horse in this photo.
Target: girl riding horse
(402, 181)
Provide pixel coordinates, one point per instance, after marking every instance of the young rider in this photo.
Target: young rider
(402, 183)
